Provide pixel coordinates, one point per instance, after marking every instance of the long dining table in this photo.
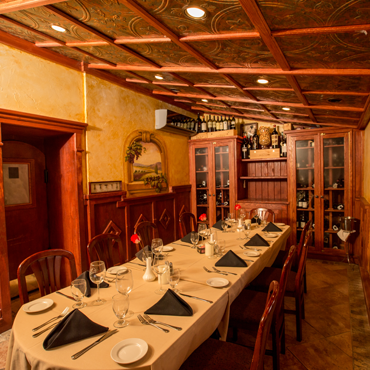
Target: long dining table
(167, 351)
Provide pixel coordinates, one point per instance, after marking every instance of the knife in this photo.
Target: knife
(191, 296)
(65, 295)
(137, 263)
(105, 336)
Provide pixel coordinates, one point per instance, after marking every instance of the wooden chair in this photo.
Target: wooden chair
(107, 248)
(248, 307)
(294, 288)
(263, 213)
(214, 354)
(147, 231)
(187, 223)
(46, 265)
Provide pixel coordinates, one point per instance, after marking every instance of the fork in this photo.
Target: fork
(232, 273)
(144, 322)
(222, 273)
(65, 311)
(152, 321)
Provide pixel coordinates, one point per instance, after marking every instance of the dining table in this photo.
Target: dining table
(166, 351)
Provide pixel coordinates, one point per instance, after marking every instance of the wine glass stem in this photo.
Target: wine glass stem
(160, 282)
(98, 293)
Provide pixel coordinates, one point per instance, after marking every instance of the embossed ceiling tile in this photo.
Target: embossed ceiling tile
(119, 73)
(277, 108)
(289, 14)
(70, 53)
(245, 105)
(255, 113)
(151, 76)
(336, 120)
(19, 32)
(323, 112)
(336, 100)
(112, 54)
(287, 117)
(109, 17)
(220, 16)
(166, 55)
(251, 53)
(283, 96)
(251, 80)
(345, 50)
(41, 20)
(232, 93)
(183, 89)
(203, 78)
(335, 83)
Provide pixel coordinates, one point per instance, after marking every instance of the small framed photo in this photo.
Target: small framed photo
(105, 187)
(250, 128)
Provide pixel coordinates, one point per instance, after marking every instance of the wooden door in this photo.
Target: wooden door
(25, 202)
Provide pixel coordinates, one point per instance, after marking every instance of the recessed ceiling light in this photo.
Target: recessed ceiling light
(195, 12)
(58, 28)
(158, 77)
(286, 108)
(175, 90)
(262, 81)
(205, 100)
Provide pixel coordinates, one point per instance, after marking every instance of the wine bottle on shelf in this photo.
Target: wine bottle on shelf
(304, 202)
(283, 148)
(217, 124)
(199, 124)
(302, 224)
(229, 123)
(227, 184)
(209, 124)
(210, 127)
(275, 138)
(233, 123)
(214, 123)
(204, 125)
(225, 124)
(300, 203)
(255, 141)
(313, 202)
(245, 148)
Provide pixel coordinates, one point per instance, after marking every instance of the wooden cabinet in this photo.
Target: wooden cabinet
(213, 176)
(320, 186)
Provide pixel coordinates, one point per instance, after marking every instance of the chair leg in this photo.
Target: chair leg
(282, 345)
(276, 350)
(303, 310)
(305, 281)
(298, 318)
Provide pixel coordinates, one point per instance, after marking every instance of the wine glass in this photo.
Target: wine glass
(194, 238)
(246, 233)
(160, 266)
(239, 229)
(120, 305)
(201, 230)
(174, 279)
(97, 276)
(78, 290)
(157, 245)
(124, 284)
(230, 216)
(224, 226)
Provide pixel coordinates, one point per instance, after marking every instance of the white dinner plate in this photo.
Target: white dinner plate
(272, 235)
(113, 270)
(129, 350)
(252, 253)
(217, 282)
(167, 249)
(279, 224)
(38, 305)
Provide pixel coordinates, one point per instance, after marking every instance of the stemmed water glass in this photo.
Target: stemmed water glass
(224, 226)
(240, 228)
(246, 233)
(174, 279)
(78, 290)
(120, 305)
(97, 276)
(124, 284)
(202, 230)
(157, 246)
(160, 266)
(194, 238)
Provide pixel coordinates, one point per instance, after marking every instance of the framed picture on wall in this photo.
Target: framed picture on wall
(105, 187)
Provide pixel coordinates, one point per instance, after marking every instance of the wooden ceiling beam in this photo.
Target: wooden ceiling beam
(336, 117)
(16, 5)
(137, 9)
(290, 113)
(268, 88)
(365, 117)
(352, 93)
(222, 36)
(169, 83)
(142, 40)
(254, 14)
(91, 30)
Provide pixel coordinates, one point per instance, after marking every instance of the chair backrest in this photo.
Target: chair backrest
(263, 213)
(107, 248)
(46, 265)
(146, 231)
(187, 222)
(302, 262)
(300, 245)
(264, 327)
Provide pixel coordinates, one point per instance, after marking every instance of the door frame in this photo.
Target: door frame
(74, 225)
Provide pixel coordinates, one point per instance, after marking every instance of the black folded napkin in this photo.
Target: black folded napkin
(171, 305)
(217, 225)
(140, 255)
(74, 327)
(186, 238)
(257, 241)
(272, 227)
(230, 259)
(89, 284)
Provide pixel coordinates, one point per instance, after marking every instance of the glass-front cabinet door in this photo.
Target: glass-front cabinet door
(222, 181)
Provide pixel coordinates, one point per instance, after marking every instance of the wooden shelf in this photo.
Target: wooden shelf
(201, 171)
(197, 155)
(222, 170)
(331, 231)
(265, 159)
(305, 188)
(222, 188)
(334, 146)
(333, 210)
(176, 130)
(263, 178)
(202, 188)
(334, 189)
(305, 209)
(305, 168)
(202, 205)
(305, 147)
(222, 153)
(223, 206)
(332, 168)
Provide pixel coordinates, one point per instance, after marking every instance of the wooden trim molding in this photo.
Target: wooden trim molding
(365, 278)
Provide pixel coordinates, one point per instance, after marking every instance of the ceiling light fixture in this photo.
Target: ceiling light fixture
(205, 100)
(158, 77)
(195, 12)
(58, 28)
(286, 108)
(262, 81)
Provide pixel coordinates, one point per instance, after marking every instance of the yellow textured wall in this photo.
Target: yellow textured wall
(367, 164)
(34, 85)
(113, 113)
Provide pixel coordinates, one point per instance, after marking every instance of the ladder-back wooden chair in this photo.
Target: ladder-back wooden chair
(187, 223)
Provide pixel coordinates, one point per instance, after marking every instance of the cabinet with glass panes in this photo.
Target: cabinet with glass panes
(320, 186)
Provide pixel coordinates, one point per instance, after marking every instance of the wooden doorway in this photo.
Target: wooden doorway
(28, 145)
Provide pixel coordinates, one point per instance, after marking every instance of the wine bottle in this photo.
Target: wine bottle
(204, 125)
(300, 203)
(245, 148)
(229, 123)
(283, 148)
(304, 202)
(303, 221)
(225, 123)
(217, 124)
(255, 141)
(199, 124)
(214, 124)
(233, 123)
(209, 124)
(275, 138)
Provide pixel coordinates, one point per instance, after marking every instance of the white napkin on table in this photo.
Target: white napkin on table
(344, 235)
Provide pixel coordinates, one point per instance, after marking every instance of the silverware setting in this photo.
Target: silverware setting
(140, 264)
(226, 272)
(253, 249)
(213, 272)
(64, 312)
(247, 260)
(152, 321)
(191, 296)
(46, 329)
(144, 322)
(65, 295)
(182, 245)
(104, 337)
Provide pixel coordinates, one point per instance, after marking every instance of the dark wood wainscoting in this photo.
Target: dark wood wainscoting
(114, 213)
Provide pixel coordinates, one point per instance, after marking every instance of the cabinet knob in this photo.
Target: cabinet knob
(316, 196)
(321, 196)
(213, 194)
(209, 194)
